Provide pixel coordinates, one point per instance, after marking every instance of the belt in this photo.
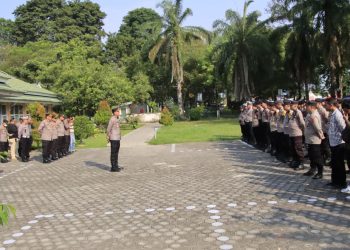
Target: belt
(26, 137)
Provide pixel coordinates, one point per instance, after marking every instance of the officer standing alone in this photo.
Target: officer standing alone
(114, 136)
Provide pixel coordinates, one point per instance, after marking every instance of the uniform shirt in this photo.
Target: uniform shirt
(324, 114)
(66, 127)
(313, 128)
(60, 128)
(265, 114)
(280, 118)
(286, 122)
(24, 131)
(45, 129)
(3, 134)
(241, 117)
(255, 121)
(273, 121)
(248, 115)
(54, 128)
(296, 124)
(336, 127)
(113, 129)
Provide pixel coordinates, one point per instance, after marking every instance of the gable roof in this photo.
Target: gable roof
(25, 92)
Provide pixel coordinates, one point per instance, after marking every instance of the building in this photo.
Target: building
(16, 94)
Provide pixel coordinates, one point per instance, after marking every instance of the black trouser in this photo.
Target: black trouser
(242, 131)
(115, 145)
(274, 139)
(47, 147)
(3, 149)
(259, 135)
(60, 146)
(24, 144)
(279, 144)
(53, 152)
(347, 154)
(285, 143)
(315, 156)
(338, 165)
(325, 148)
(66, 143)
(265, 133)
(250, 133)
(297, 148)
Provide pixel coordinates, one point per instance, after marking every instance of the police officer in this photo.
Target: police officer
(4, 141)
(313, 138)
(241, 121)
(296, 129)
(265, 127)
(114, 137)
(45, 129)
(279, 119)
(54, 128)
(273, 127)
(324, 114)
(60, 134)
(286, 140)
(66, 135)
(24, 134)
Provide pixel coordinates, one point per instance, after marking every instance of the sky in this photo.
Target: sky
(205, 12)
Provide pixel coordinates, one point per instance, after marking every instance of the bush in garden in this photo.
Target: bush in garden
(103, 115)
(133, 121)
(166, 118)
(196, 113)
(83, 128)
(173, 108)
(153, 106)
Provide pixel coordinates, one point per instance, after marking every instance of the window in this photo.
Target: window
(16, 111)
(3, 114)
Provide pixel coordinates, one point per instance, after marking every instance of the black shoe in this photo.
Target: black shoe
(309, 173)
(46, 161)
(293, 164)
(331, 184)
(318, 176)
(299, 167)
(115, 169)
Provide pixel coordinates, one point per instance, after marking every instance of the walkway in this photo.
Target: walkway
(201, 196)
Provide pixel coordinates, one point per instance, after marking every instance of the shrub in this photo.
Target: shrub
(83, 127)
(133, 121)
(103, 115)
(173, 108)
(196, 113)
(153, 106)
(166, 118)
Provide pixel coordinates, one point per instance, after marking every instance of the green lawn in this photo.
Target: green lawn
(199, 131)
(100, 141)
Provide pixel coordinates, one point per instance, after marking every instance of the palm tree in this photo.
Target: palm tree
(235, 51)
(332, 20)
(169, 45)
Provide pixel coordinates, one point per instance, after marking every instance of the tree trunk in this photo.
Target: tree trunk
(179, 97)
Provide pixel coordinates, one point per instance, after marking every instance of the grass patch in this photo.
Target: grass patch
(199, 131)
(99, 140)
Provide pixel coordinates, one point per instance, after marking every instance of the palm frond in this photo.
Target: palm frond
(187, 12)
(198, 33)
(161, 41)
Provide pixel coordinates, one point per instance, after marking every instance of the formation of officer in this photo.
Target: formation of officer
(55, 137)
(294, 130)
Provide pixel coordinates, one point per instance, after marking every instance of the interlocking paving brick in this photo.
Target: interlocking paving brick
(165, 200)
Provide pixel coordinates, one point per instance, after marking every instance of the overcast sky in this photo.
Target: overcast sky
(205, 12)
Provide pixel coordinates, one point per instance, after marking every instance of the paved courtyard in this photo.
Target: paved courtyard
(192, 196)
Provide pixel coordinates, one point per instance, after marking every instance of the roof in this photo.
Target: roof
(21, 91)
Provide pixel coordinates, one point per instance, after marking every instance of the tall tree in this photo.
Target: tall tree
(6, 31)
(57, 21)
(139, 28)
(237, 49)
(169, 45)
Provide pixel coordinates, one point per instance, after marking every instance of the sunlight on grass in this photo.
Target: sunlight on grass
(199, 131)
